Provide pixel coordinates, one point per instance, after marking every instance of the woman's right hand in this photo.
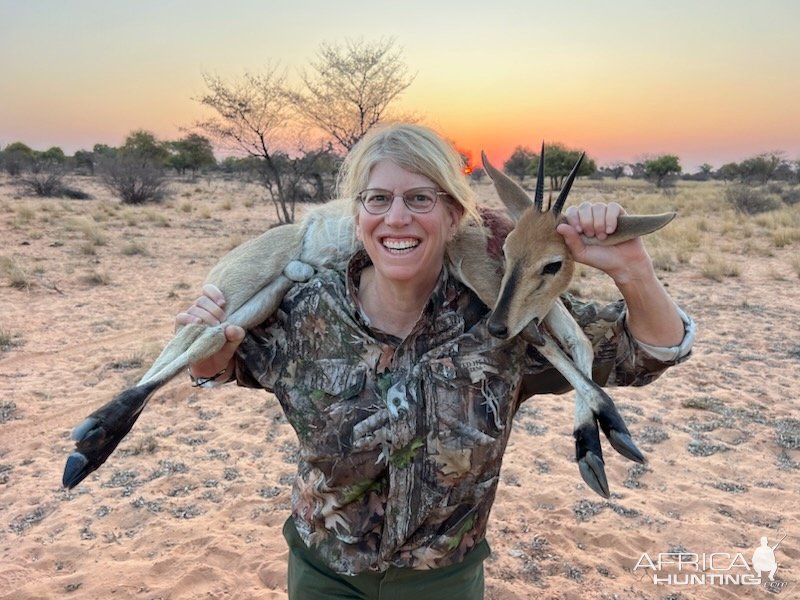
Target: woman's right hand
(209, 309)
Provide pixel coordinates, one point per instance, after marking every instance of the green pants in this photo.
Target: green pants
(311, 579)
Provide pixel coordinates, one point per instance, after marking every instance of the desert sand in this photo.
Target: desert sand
(192, 502)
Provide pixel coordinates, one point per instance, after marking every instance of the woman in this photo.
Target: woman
(401, 400)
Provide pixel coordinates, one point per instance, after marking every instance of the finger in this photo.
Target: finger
(214, 293)
(204, 303)
(234, 334)
(202, 315)
(572, 239)
(184, 318)
(599, 221)
(586, 219)
(573, 218)
(613, 211)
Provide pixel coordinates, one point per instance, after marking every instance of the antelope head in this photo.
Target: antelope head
(538, 264)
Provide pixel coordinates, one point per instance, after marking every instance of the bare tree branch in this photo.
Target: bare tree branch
(350, 88)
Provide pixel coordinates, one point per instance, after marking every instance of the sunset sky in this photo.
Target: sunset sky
(711, 81)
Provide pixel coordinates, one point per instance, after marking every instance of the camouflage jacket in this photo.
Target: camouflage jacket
(401, 441)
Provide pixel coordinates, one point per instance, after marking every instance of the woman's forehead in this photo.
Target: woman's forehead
(387, 174)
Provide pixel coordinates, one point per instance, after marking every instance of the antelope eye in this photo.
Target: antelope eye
(552, 268)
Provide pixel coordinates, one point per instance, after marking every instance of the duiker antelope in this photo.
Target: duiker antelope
(538, 269)
(255, 276)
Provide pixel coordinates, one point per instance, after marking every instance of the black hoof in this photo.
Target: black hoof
(85, 430)
(589, 455)
(622, 443)
(98, 435)
(594, 474)
(614, 428)
(75, 470)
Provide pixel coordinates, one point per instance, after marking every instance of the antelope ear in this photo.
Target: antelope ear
(632, 226)
(515, 199)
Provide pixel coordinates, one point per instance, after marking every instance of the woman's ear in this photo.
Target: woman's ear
(456, 212)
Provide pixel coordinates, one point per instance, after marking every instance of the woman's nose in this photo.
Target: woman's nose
(398, 213)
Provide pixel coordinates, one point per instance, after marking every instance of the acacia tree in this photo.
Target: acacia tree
(616, 169)
(347, 92)
(191, 152)
(142, 146)
(559, 161)
(16, 157)
(728, 171)
(254, 116)
(661, 167)
(519, 163)
(349, 88)
(84, 160)
(760, 168)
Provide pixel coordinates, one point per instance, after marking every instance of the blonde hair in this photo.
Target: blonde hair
(415, 148)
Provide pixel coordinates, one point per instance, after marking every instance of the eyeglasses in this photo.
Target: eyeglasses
(417, 200)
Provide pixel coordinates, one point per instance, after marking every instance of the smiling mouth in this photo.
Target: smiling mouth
(400, 246)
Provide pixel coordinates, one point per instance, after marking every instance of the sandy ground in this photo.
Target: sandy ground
(192, 503)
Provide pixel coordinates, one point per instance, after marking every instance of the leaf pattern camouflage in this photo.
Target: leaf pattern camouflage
(401, 441)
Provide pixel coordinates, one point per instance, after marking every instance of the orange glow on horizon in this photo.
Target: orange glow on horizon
(617, 87)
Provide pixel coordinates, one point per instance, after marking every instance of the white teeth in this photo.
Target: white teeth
(400, 244)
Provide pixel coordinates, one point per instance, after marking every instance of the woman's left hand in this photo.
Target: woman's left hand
(621, 261)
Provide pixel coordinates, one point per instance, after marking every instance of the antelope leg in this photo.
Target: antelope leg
(564, 328)
(98, 435)
(588, 452)
(254, 278)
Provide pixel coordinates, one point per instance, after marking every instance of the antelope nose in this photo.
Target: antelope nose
(498, 330)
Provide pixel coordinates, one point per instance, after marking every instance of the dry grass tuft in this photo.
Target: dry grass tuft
(156, 217)
(785, 237)
(88, 248)
(796, 265)
(143, 445)
(23, 215)
(717, 268)
(665, 260)
(88, 227)
(96, 278)
(18, 277)
(131, 217)
(135, 248)
(9, 340)
(134, 361)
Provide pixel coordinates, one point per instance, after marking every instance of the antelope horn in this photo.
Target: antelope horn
(567, 185)
(538, 196)
(631, 226)
(515, 199)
